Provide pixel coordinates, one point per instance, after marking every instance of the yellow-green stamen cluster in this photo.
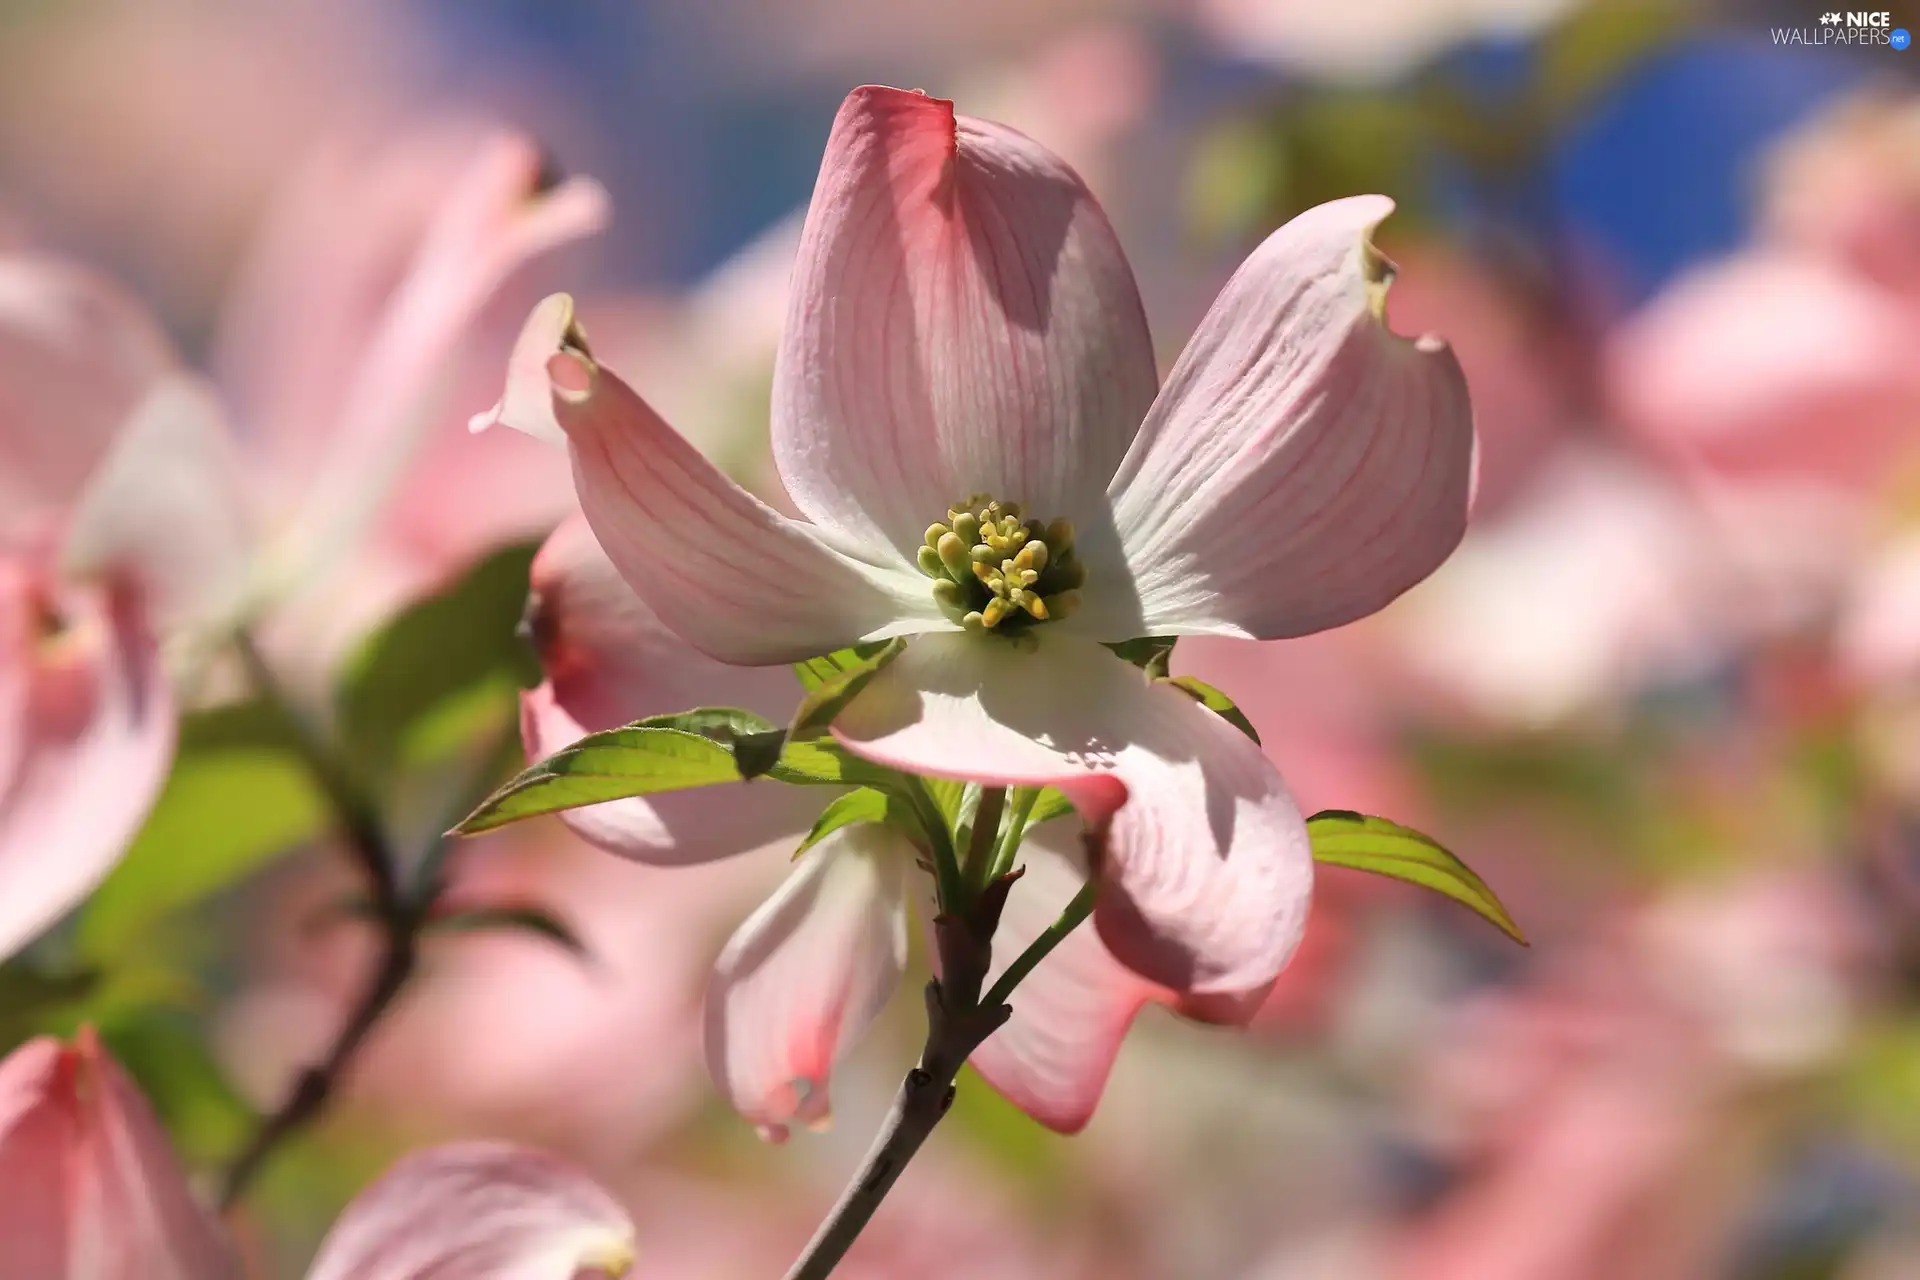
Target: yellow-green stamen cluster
(993, 571)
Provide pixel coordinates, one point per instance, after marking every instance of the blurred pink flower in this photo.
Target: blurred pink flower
(1611, 1113)
(126, 495)
(506, 1034)
(90, 1189)
(1608, 578)
(89, 1186)
(347, 349)
(117, 510)
(95, 102)
(478, 1209)
(1792, 358)
(879, 428)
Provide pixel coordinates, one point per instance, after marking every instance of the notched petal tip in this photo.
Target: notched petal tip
(550, 356)
(1379, 271)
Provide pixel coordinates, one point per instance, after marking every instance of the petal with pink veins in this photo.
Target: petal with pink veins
(733, 577)
(1303, 464)
(609, 661)
(91, 754)
(76, 355)
(802, 979)
(90, 1188)
(961, 320)
(1207, 873)
(478, 1209)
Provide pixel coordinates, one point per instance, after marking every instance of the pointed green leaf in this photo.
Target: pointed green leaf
(828, 667)
(863, 805)
(1215, 701)
(722, 724)
(1150, 653)
(1347, 839)
(636, 760)
(1051, 804)
(830, 696)
(754, 741)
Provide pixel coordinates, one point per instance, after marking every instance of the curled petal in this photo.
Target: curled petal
(1205, 873)
(736, 579)
(76, 356)
(90, 749)
(1303, 464)
(1053, 1056)
(806, 974)
(478, 1209)
(90, 1189)
(610, 661)
(164, 510)
(962, 320)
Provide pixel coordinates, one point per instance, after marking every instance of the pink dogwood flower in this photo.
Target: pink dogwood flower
(966, 413)
(90, 1189)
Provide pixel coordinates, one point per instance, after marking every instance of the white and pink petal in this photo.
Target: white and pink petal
(733, 577)
(1053, 1056)
(1303, 465)
(804, 977)
(961, 320)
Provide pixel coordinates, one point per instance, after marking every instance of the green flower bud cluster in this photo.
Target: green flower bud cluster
(993, 571)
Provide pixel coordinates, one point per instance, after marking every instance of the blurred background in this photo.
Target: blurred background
(1666, 699)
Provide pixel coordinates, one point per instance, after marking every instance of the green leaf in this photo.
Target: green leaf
(432, 653)
(1149, 653)
(636, 760)
(830, 696)
(722, 724)
(1347, 839)
(828, 667)
(1051, 804)
(526, 919)
(1215, 701)
(863, 805)
(224, 814)
(755, 743)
